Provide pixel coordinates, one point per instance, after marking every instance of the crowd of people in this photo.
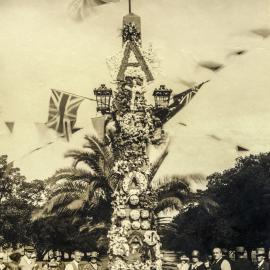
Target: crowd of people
(219, 260)
(28, 261)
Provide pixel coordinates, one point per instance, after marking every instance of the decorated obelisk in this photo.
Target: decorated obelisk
(133, 239)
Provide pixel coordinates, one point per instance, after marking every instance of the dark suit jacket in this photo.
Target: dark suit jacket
(243, 264)
(264, 266)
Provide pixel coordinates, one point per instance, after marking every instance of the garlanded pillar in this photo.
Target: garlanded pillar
(133, 240)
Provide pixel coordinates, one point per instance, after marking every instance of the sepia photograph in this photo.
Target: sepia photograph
(134, 135)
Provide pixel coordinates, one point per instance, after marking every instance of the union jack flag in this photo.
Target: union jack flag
(181, 100)
(63, 109)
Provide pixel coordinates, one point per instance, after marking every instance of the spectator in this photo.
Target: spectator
(196, 263)
(219, 262)
(184, 263)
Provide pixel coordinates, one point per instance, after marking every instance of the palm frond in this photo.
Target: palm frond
(156, 165)
(72, 174)
(169, 202)
(95, 145)
(90, 159)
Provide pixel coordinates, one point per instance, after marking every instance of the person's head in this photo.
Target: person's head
(217, 253)
(45, 266)
(28, 250)
(77, 255)
(51, 255)
(94, 257)
(58, 258)
(239, 252)
(184, 259)
(195, 256)
(225, 252)
(260, 254)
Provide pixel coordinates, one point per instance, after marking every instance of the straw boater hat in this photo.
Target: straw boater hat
(184, 258)
(260, 252)
(93, 254)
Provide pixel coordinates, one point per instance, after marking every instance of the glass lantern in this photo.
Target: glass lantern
(103, 98)
(162, 97)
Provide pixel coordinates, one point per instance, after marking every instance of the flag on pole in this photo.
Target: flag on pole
(181, 100)
(63, 112)
(79, 9)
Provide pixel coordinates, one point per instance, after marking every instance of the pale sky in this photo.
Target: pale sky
(43, 48)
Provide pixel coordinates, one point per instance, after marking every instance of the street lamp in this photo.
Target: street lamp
(162, 97)
(103, 98)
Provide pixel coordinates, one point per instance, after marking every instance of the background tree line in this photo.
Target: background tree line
(75, 213)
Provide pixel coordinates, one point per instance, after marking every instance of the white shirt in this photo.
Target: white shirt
(69, 266)
(261, 263)
(225, 265)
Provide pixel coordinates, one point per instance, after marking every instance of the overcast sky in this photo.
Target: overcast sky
(42, 48)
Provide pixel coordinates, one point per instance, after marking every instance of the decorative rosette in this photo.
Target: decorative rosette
(134, 200)
(135, 225)
(134, 214)
(126, 224)
(145, 225)
(121, 213)
(144, 214)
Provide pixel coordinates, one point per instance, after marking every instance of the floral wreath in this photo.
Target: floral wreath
(141, 181)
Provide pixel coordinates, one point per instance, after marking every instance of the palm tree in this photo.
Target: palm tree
(83, 191)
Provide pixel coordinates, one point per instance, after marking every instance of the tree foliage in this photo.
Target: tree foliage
(18, 198)
(242, 218)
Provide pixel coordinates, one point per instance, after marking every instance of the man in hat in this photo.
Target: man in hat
(184, 263)
(219, 262)
(26, 262)
(74, 265)
(196, 263)
(241, 263)
(93, 262)
(61, 264)
(261, 263)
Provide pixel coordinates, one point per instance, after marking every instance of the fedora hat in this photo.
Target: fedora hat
(29, 248)
(94, 254)
(53, 264)
(260, 251)
(240, 249)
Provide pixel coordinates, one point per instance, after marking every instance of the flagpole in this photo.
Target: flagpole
(69, 93)
(129, 6)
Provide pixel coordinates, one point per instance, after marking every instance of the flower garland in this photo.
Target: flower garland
(133, 200)
(129, 32)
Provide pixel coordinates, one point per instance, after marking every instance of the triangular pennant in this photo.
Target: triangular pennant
(99, 125)
(10, 126)
(241, 149)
